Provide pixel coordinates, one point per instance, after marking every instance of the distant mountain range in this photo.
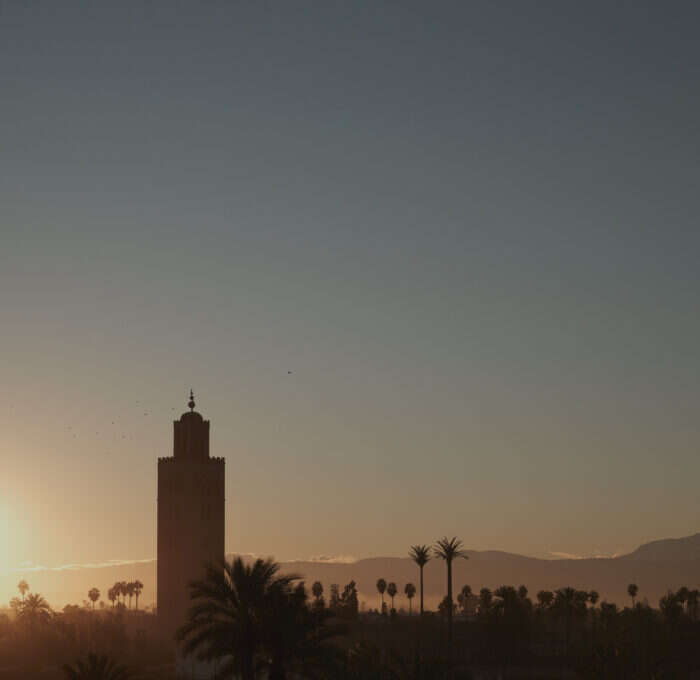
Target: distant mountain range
(654, 567)
(668, 550)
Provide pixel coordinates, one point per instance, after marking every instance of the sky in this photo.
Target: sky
(469, 230)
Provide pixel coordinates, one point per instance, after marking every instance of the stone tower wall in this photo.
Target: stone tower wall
(191, 511)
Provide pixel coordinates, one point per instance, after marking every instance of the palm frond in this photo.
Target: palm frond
(449, 549)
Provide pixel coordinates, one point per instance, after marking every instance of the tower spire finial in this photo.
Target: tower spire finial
(191, 403)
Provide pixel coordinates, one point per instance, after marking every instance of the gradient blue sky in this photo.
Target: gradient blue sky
(469, 229)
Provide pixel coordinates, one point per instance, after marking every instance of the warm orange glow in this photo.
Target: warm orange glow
(11, 539)
(6, 539)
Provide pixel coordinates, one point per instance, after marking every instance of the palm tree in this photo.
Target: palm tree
(130, 591)
(35, 611)
(569, 603)
(420, 554)
(225, 617)
(485, 601)
(94, 595)
(16, 605)
(381, 587)
(23, 587)
(593, 597)
(292, 636)
(463, 598)
(317, 592)
(124, 590)
(632, 591)
(410, 592)
(138, 587)
(449, 550)
(391, 591)
(254, 618)
(545, 599)
(96, 668)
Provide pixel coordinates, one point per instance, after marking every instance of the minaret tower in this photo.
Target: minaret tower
(190, 516)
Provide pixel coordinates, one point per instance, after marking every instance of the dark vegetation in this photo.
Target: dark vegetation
(257, 623)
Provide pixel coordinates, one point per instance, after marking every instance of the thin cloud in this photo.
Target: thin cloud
(574, 556)
(30, 567)
(565, 555)
(333, 559)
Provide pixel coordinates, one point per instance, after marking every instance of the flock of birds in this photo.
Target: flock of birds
(124, 435)
(120, 435)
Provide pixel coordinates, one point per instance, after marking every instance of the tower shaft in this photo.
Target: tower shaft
(191, 511)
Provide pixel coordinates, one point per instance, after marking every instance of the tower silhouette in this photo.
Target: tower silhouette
(191, 502)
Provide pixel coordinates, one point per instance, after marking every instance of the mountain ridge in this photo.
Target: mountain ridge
(655, 566)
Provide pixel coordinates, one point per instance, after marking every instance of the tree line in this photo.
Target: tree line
(254, 622)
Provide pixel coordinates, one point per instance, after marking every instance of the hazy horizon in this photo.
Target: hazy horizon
(430, 270)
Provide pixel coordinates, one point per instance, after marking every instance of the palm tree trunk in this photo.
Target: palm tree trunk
(449, 618)
(421, 591)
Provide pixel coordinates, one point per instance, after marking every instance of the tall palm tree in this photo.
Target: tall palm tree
(138, 587)
(124, 591)
(253, 618)
(632, 590)
(130, 591)
(23, 587)
(449, 549)
(420, 554)
(96, 668)
(391, 591)
(381, 587)
(112, 595)
(35, 611)
(410, 592)
(93, 595)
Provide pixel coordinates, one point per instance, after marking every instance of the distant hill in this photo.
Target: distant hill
(655, 567)
(668, 550)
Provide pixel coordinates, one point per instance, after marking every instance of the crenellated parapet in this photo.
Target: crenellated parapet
(171, 460)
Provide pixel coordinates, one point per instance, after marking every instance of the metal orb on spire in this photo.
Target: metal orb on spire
(191, 403)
